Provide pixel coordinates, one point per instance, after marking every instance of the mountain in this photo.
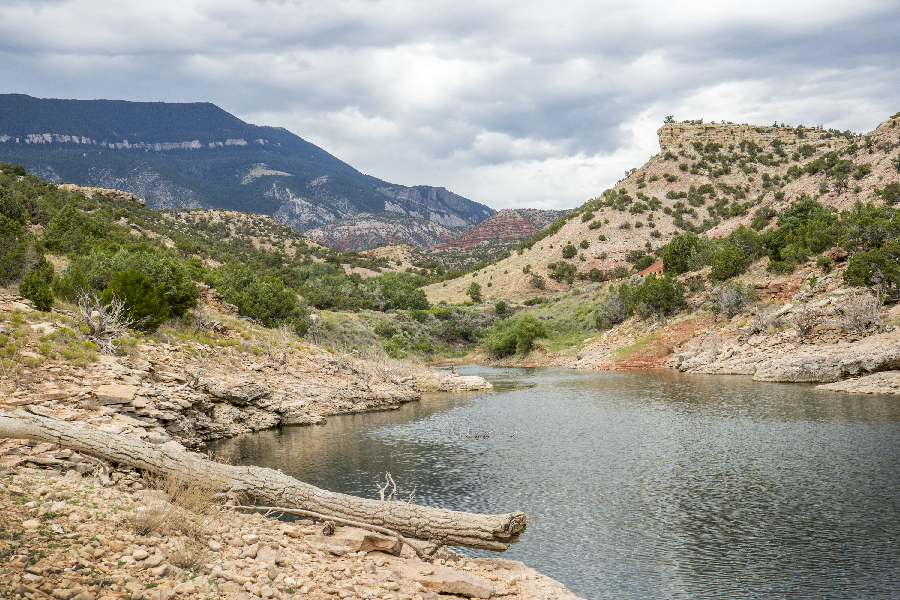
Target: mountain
(707, 178)
(191, 155)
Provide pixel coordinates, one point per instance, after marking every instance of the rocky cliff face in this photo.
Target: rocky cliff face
(506, 224)
(436, 204)
(674, 136)
(371, 229)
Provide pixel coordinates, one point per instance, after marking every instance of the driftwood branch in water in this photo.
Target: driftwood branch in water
(273, 488)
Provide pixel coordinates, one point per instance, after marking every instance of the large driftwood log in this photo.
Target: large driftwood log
(267, 486)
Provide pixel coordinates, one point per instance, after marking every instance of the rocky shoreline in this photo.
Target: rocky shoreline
(860, 359)
(74, 528)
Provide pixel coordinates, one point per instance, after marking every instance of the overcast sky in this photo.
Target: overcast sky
(513, 104)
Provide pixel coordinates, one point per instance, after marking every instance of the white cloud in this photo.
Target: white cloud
(544, 103)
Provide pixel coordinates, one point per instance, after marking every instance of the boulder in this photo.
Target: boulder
(242, 394)
(878, 353)
(877, 383)
(443, 580)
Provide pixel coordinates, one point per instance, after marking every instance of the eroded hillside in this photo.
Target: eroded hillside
(707, 178)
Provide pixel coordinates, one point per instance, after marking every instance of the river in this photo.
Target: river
(639, 485)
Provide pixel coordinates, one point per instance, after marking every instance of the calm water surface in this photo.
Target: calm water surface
(640, 485)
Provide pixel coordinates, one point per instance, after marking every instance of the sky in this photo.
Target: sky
(539, 104)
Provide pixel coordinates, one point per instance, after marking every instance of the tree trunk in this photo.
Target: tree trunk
(267, 486)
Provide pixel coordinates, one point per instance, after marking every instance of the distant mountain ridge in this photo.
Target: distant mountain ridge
(192, 155)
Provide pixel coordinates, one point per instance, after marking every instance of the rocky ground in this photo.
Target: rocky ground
(70, 538)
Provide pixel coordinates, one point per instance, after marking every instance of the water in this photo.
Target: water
(640, 485)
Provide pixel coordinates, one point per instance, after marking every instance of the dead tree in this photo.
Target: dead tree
(270, 487)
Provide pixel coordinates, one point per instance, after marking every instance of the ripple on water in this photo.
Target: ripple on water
(641, 485)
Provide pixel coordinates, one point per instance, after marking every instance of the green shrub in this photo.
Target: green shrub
(584, 244)
(145, 305)
(267, 301)
(500, 307)
(677, 253)
(569, 251)
(891, 193)
(396, 291)
(514, 336)
(644, 262)
(474, 292)
(11, 208)
(71, 230)
(537, 282)
(385, 329)
(658, 296)
(35, 287)
(13, 247)
(727, 263)
(98, 268)
(805, 228)
(877, 268)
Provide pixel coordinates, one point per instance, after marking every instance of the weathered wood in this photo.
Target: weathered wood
(274, 488)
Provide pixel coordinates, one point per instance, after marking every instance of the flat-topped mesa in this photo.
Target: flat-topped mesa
(673, 136)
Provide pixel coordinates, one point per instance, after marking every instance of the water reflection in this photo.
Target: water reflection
(641, 485)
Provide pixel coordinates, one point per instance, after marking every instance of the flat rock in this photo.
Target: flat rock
(444, 580)
(465, 383)
(115, 393)
(887, 382)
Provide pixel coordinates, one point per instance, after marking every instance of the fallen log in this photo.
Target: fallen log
(268, 486)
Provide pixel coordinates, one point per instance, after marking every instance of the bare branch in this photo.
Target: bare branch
(389, 481)
(194, 371)
(859, 310)
(104, 322)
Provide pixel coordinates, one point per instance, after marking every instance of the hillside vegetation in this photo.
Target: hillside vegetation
(776, 210)
(707, 189)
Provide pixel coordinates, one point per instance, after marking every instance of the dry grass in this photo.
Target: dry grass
(189, 554)
(176, 505)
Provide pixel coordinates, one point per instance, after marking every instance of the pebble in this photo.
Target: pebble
(215, 546)
(140, 554)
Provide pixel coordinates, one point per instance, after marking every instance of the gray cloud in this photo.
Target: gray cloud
(509, 103)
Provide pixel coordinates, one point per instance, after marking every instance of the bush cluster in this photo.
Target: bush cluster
(513, 336)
